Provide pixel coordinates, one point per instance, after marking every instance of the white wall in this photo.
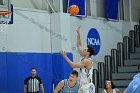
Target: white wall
(32, 32)
(126, 7)
(60, 24)
(97, 8)
(29, 33)
(31, 4)
(135, 10)
(110, 33)
(127, 26)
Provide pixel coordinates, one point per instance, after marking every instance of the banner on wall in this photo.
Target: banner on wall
(81, 4)
(112, 9)
(93, 39)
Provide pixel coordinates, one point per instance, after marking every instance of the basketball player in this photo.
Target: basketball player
(134, 86)
(85, 65)
(70, 85)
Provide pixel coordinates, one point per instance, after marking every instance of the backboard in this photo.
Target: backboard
(6, 6)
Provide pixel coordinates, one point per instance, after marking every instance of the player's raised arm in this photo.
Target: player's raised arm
(82, 64)
(79, 44)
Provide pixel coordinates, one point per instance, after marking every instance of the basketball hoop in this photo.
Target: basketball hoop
(4, 20)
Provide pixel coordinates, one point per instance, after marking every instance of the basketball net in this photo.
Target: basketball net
(4, 21)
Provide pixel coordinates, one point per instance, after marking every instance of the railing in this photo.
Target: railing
(114, 60)
(120, 54)
(108, 69)
(137, 35)
(95, 79)
(101, 70)
(126, 47)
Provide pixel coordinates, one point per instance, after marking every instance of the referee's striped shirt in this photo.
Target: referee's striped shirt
(33, 84)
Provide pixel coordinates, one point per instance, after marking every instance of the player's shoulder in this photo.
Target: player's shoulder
(87, 60)
(28, 78)
(62, 82)
(37, 77)
(136, 76)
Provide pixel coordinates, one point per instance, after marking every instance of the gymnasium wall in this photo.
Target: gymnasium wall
(110, 33)
(31, 32)
(35, 39)
(95, 8)
(135, 10)
(24, 45)
(127, 26)
(29, 43)
(32, 4)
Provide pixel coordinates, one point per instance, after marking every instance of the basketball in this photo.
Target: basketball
(73, 10)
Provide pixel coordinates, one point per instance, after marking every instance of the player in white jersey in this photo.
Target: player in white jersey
(85, 65)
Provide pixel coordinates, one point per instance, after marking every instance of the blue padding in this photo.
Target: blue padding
(19, 66)
(112, 9)
(61, 68)
(3, 73)
(81, 4)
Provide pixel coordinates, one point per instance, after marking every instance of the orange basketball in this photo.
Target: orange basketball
(73, 10)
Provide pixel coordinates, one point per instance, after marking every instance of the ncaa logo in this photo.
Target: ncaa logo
(93, 39)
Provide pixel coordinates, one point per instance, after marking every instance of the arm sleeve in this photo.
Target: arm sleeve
(40, 81)
(25, 81)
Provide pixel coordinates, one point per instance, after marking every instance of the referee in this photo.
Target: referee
(33, 83)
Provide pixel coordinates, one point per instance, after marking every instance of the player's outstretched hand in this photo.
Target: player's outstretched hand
(63, 53)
